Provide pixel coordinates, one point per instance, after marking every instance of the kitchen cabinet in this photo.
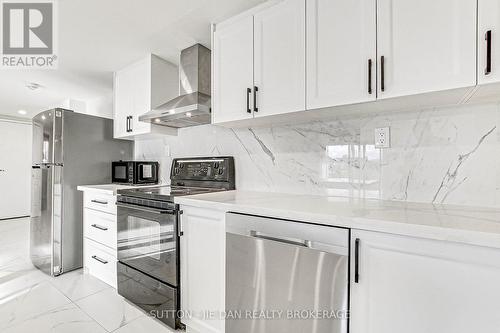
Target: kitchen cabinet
(488, 38)
(341, 52)
(202, 248)
(414, 285)
(233, 68)
(283, 57)
(259, 63)
(425, 46)
(140, 88)
(279, 59)
(100, 236)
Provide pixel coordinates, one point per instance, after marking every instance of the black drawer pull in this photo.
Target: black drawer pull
(99, 202)
(102, 261)
(97, 226)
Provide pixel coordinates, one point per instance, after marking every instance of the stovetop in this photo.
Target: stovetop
(188, 176)
(165, 193)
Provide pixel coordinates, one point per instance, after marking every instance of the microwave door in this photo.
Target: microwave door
(147, 172)
(120, 172)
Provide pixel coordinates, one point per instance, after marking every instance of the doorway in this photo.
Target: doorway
(15, 168)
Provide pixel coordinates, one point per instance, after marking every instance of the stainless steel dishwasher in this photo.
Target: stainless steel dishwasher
(285, 276)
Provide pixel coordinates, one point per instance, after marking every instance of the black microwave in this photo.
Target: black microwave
(135, 172)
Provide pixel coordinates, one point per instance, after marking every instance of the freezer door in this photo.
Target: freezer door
(47, 137)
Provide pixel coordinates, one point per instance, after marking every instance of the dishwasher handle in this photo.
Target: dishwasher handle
(285, 240)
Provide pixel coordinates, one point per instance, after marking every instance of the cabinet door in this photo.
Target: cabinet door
(140, 76)
(280, 58)
(488, 41)
(341, 52)
(233, 70)
(426, 45)
(416, 285)
(203, 268)
(123, 103)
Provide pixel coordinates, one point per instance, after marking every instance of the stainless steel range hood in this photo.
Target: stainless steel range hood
(193, 106)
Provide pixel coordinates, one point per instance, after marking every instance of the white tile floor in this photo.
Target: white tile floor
(31, 301)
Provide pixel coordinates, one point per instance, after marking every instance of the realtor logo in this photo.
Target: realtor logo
(28, 34)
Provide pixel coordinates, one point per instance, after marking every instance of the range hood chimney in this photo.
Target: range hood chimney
(193, 106)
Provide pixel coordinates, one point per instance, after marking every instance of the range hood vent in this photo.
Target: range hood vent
(193, 106)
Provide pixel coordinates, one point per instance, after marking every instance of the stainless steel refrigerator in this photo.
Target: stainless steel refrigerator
(69, 149)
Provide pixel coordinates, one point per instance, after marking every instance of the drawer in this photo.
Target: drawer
(100, 227)
(99, 262)
(100, 201)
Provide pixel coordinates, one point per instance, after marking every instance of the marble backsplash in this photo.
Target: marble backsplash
(442, 155)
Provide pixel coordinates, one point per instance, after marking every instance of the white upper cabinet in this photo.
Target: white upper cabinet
(341, 52)
(259, 63)
(488, 41)
(233, 71)
(414, 285)
(139, 88)
(425, 46)
(279, 58)
(292, 55)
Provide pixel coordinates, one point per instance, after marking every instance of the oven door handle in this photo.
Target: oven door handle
(147, 209)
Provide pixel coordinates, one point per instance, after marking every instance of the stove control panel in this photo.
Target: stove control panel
(220, 169)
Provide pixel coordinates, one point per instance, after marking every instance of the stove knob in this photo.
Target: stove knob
(216, 165)
(221, 171)
(176, 171)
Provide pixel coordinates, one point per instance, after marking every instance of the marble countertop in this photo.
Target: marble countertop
(110, 189)
(471, 225)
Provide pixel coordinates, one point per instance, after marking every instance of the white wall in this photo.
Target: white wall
(15, 159)
(446, 155)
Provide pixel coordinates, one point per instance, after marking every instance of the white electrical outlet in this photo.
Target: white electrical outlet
(383, 137)
(166, 150)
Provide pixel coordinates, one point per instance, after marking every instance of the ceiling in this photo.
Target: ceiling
(97, 37)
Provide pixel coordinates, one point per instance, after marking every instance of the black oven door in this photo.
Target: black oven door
(119, 172)
(147, 241)
(146, 172)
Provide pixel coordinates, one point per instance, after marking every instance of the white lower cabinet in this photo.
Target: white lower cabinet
(202, 249)
(99, 236)
(99, 261)
(397, 283)
(417, 285)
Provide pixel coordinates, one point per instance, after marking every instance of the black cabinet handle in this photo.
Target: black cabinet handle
(97, 226)
(249, 91)
(356, 260)
(129, 124)
(382, 73)
(102, 261)
(255, 90)
(99, 202)
(487, 37)
(369, 76)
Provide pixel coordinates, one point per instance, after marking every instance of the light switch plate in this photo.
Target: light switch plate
(383, 137)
